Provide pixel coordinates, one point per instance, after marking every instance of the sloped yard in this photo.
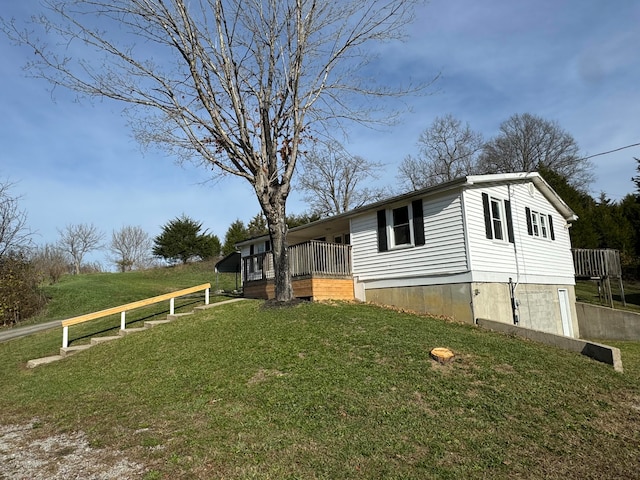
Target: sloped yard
(328, 391)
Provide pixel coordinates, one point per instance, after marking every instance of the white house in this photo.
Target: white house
(485, 246)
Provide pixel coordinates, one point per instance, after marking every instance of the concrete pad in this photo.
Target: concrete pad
(36, 362)
(154, 323)
(65, 352)
(97, 340)
(131, 330)
(217, 304)
(175, 316)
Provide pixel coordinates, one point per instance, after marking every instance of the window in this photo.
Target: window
(534, 223)
(543, 226)
(255, 264)
(402, 226)
(539, 224)
(497, 218)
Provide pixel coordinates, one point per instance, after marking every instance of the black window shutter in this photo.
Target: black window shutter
(267, 246)
(487, 216)
(418, 222)
(382, 231)
(251, 250)
(529, 225)
(507, 209)
(553, 236)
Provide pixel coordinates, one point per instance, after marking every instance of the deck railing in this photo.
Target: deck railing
(309, 258)
(596, 263)
(123, 309)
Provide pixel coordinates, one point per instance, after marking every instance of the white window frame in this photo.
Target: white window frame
(391, 227)
(501, 219)
(544, 228)
(535, 220)
(539, 225)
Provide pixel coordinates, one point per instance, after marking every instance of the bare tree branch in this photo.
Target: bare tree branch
(131, 248)
(236, 85)
(527, 142)
(332, 180)
(448, 150)
(15, 236)
(78, 240)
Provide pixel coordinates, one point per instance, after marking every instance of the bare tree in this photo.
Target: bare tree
(332, 180)
(131, 248)
(78, 240)
(448, 150)
(51, 262)
(527, 142)
(14, 234)
(236, 85)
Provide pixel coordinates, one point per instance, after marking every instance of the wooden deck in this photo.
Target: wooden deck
(319, 270)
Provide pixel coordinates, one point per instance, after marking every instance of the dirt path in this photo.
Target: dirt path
(25, 455)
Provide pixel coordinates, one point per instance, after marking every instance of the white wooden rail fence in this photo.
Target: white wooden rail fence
(123, 309)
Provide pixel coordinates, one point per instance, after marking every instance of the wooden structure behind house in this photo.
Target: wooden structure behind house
(601, 265)
(485, 246)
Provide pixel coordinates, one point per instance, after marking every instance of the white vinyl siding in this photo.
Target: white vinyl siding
(444, 251)
(538, 261)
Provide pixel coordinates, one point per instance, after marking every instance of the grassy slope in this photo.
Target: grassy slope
(333, 391)
(587, 291)
(75, 295)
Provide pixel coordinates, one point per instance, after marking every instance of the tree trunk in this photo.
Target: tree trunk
(273, 202)
(282, 278)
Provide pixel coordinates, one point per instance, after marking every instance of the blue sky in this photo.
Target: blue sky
(572, 61)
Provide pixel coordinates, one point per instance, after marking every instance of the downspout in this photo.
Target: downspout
(515, 303)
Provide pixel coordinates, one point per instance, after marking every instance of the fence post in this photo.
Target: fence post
(206, 296)
(65, 337)
(172, 306)
(123, 320)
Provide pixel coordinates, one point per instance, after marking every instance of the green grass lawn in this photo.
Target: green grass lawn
(587, 292)
(333, 391)
(79, 294)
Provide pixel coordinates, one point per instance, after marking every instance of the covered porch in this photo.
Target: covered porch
(319, 270)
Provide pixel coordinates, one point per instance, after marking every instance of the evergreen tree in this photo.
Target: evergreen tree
(636, 180)
(294, 220)
(583, 233)
(236, 232)
(182, 240)
(257, 226)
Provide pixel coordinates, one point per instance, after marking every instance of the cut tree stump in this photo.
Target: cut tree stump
(442, 355)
